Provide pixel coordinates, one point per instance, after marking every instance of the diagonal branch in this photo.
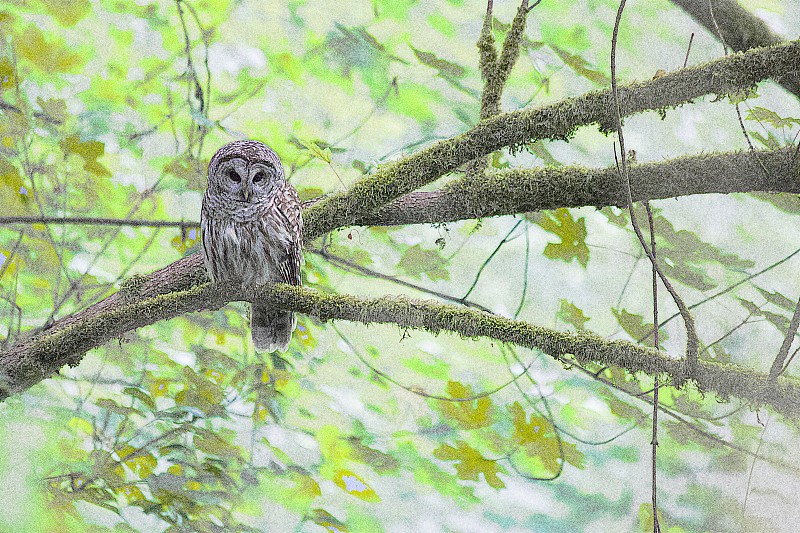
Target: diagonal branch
(737, 27)
(555, 121)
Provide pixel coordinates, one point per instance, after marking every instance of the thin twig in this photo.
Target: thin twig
(99, 221)
(777, 365)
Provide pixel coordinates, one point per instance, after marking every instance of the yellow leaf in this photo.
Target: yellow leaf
(571, 232)
(471, 463)
(88, 150)
(354, 485)
(54, 56)
(536, 436)
(131, 493)
(67, 13)
(8, 78)
(471, 414)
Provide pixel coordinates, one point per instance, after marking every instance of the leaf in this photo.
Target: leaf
(317, 152)
(571, 232)
(536, 436)
(539, 149)
(570, 314)
(354, 485)
(681, 253)
(418, 260)
(13, 194)
(470, 414)
(471, 463)
(379, 461)
(140, 395)
(49, 57)
(762, 114)
(446, 69)
(635, 326)
(8, 78)
(67, 13)
(189, 168)
(580, 66)
(114, 407)
(789, 203)
(328, 521)
(88, 150)
(54, 108)
(777, 299)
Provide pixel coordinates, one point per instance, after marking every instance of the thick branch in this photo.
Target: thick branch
(740, 29)
(36, 355)
(520, 191)
(557, 121)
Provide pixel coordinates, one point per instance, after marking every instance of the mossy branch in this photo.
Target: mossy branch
(495, 72)
(557, 121)
(47, 351)
(723, 76)
(523, 190)
(740, 29)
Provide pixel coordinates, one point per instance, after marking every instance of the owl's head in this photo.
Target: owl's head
(245, 171)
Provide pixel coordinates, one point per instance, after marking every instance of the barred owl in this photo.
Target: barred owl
(252, 231)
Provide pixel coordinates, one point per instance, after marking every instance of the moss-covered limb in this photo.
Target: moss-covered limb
(523, 190)
(557, 121)
(510, 192)
(495, 72)
(487, 53)
(41, 355)
(740, 29)
(724, 380)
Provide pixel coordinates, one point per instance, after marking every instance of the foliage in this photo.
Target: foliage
(112, 109)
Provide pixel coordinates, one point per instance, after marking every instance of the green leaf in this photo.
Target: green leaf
(570, 314)
(581, 67)
(316, 151)
(140, 395)
(636, 326)
(446, 68)
(571, 232)
(418, 260)
(762, 114)
(323, 518)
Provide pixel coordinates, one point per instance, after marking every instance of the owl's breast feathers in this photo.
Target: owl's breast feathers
(256, 243)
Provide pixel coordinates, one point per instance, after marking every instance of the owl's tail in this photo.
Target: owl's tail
(272, 330)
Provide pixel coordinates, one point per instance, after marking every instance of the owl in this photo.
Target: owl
(252, 229)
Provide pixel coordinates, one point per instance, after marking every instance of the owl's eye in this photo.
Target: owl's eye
(259, 176)
(234, 176)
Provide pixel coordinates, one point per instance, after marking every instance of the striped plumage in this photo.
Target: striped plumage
(252, 231)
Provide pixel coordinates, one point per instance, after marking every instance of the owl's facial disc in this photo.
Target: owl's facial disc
(263, 178)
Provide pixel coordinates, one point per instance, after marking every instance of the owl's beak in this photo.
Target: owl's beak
(246, 192)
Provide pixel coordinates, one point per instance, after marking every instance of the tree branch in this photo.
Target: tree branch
(42, 355)
(519, 191)
(556, 121)
(740, 29)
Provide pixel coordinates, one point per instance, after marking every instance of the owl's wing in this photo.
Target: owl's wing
(288, 213)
